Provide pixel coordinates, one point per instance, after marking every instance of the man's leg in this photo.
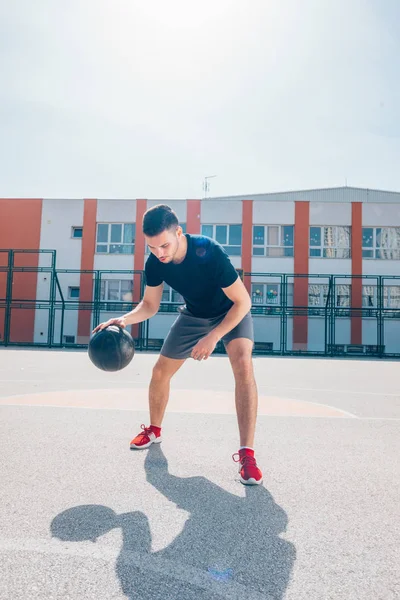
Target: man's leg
(246, 397)
(163, 371)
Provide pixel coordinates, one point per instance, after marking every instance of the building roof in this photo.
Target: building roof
(332, 194)
(336, 194)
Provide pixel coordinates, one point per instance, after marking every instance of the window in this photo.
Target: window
(391, 296)
(115, 238)
(73, 293)
(318, 294)
(229, 236)
(330, 242)
(369, 296)
(77, 232)
(381, 242)
(268, 294)
(170, 295)
(273, 240)
(116, 290)
(265, 293)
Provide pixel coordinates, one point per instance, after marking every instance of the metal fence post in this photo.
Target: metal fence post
(50, 332)
(10, 275)
(284, 315)
(381, 316)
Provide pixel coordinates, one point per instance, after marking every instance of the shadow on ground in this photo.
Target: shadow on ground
(229, 546)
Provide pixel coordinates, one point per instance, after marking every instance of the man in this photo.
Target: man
(217, 308)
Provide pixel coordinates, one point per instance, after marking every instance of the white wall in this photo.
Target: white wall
(329, 266)
(381, 267)
(236, 261)
(114, 261)
(160, 324)
(58, 218)
(381, 215)
(343, 331)
(116, 211)
(265, 279)
(70, 317)
(392, 335)
(322, 280)
(322, 213)
(262, 264)
(70, 325)
(221, 212)
(289, 334)
(316, 334)
(273, 213)
(369, 331)
(268, 329)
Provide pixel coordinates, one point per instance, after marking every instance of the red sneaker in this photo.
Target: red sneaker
(145, 438)
(250, 474)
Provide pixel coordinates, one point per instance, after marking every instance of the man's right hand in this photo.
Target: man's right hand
(119, 321)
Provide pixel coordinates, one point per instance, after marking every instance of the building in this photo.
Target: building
(304, 254)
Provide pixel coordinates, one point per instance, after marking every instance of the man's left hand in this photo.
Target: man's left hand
(204, 347)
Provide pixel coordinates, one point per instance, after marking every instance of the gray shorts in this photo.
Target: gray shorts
(187, 330)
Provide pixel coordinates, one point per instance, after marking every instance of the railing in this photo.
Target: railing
(35, 309)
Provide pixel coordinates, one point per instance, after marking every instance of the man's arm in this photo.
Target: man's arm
(146, 309)
(241, 306)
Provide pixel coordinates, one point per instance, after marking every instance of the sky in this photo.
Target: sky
(144, 99)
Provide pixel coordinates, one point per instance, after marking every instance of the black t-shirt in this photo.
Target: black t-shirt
(199, 278)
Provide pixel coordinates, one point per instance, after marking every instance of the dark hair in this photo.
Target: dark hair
(158, 219)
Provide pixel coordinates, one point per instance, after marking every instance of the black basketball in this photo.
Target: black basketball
(111, 349)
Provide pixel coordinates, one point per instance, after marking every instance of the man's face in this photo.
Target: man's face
(165, 245)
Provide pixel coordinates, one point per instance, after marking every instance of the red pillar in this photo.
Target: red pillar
(87, 264)
(356, 269)
(247, 240)
(300, 292)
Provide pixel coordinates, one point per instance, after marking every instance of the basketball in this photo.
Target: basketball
(111, 349)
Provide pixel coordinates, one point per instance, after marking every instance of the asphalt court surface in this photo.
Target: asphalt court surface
(83, 517)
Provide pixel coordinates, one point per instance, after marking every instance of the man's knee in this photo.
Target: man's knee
(165, 368)
(240, 355)
(158, 372)
(243, 366)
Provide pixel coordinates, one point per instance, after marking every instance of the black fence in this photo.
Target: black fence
(313, 314)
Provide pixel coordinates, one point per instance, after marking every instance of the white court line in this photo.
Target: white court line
(345, 412)
(381, 418)
(155, 562)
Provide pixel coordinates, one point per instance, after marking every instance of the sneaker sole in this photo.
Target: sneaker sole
(250, 481)
(144, 446)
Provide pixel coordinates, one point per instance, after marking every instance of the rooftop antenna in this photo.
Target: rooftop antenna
(206, 185)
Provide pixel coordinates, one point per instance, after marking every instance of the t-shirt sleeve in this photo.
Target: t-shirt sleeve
(153, 278)
(225, 272)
